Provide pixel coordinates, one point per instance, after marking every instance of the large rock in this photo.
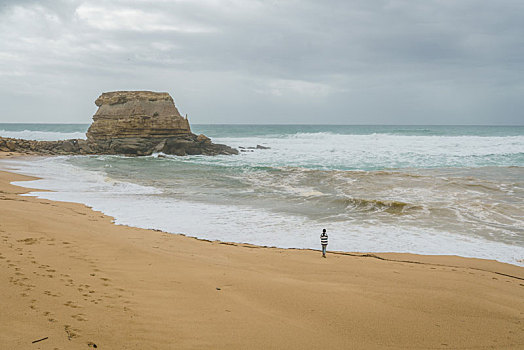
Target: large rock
(132, 114)
(129, 123)
(143, 122)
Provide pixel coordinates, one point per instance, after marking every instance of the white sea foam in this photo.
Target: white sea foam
(71, 181)
(42, 135)
(336, 151)
(146, 207)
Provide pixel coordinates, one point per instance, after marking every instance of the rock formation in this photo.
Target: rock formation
(62, 147)
(143, 122)
(130, 123)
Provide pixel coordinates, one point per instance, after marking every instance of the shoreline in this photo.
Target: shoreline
(72, 275)
(383, 255)
(179, 217)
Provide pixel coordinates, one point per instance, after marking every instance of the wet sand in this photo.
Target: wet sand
(69, 274)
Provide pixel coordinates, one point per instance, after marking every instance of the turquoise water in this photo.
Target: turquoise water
(57, 128)
(406, 130)
(340, 147)
(231, 130)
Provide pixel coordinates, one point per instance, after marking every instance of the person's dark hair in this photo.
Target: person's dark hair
(324, 231)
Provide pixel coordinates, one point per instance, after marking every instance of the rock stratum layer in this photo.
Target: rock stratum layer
(129, 123)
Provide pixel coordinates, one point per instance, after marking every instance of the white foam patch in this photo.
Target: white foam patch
(71, 181)
(335, 151)
(145, 207)
(42, 135)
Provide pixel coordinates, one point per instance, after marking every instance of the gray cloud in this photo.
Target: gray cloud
(288, 61)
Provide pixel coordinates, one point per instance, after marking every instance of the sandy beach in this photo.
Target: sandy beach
(71, 277)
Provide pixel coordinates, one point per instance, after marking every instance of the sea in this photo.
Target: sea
(436, 190)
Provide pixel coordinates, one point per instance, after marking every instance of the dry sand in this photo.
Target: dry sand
(67, 273)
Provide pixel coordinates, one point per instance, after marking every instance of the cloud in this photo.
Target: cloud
(122, 18)
(296, 88)
(404, 59)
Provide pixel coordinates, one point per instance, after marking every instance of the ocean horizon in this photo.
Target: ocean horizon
(426, 189)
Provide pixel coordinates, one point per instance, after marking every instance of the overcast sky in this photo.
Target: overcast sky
(331, 62)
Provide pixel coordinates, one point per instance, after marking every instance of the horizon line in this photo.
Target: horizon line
(286, 124)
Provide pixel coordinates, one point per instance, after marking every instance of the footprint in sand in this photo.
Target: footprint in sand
(79, 317)
(28, 241)
(71, 332)
(71, 304)
(47, 292)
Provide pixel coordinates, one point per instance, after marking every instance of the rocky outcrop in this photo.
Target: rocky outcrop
(130, 123)
(143, 122)
(62, 147)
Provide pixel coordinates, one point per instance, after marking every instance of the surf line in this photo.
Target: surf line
(423, 263)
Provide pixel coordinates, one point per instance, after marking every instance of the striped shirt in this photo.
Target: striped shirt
(324, 239)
